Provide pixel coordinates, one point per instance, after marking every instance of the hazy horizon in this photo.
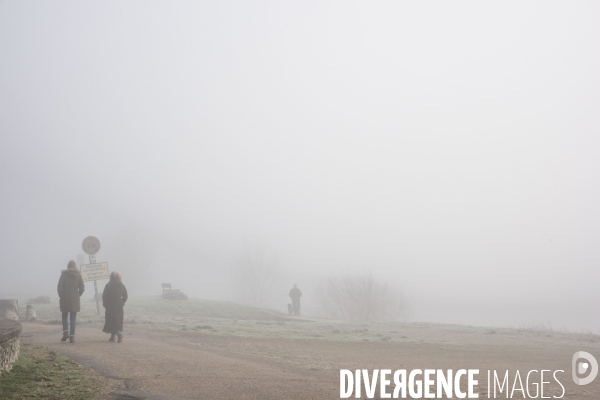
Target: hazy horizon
(449, 149)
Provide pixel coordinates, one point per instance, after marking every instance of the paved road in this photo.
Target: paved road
(157, 365)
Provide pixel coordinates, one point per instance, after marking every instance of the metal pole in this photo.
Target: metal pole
(96, 290)
(96, 296)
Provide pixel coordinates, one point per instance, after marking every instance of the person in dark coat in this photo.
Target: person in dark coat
(295, 295)
(113, 300)
(70, 288)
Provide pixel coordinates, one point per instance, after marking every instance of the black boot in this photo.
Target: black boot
(65, 336)
(72, 339)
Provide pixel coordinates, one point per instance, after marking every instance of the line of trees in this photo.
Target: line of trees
(259, 281)
(257, 277)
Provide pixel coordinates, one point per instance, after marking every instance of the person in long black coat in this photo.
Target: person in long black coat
(113, 300)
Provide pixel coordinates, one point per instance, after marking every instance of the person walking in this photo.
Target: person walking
(113, 300)
(295, 295)
(70, 288)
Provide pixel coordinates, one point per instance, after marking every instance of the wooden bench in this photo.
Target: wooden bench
(167, 288)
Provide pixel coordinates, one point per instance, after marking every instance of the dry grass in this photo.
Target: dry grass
(230, 319)
(43, 374)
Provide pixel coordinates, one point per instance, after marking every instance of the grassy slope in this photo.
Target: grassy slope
(230, 319)
(42, 374)
(156, 309)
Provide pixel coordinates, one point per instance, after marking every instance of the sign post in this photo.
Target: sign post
(91, 245)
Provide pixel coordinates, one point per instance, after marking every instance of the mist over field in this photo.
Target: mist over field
(450, 151)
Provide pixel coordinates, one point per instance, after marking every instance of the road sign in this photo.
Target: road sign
(94, 272)
(90, 245)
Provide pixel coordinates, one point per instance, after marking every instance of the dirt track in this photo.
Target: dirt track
(163, 364)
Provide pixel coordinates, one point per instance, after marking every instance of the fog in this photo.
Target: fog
(449, 148)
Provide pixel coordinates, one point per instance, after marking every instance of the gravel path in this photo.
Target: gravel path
(153, 364)
(156, 365)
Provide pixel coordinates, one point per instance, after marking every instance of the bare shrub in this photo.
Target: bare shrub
(257, 277)
(359, 297)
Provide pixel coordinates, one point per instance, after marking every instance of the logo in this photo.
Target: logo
(580, 368)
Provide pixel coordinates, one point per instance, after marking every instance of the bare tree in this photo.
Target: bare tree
(359, 298)
(257, 276)
(129, 250)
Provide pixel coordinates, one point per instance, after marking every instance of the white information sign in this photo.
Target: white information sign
(94, 272)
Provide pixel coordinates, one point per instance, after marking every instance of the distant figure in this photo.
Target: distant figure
(30, 315)
(295, 295)
(290, 309)
(113, 300)
(70, 289)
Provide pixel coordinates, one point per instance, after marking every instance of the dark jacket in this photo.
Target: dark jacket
(70, 288)
(295, 294)
(113, 300)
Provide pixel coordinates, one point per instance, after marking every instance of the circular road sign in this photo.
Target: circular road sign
(91, 245)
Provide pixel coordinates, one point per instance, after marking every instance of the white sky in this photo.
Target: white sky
(449, 147)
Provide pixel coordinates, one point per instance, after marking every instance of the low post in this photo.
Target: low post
(10, 332)
(96, 297)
